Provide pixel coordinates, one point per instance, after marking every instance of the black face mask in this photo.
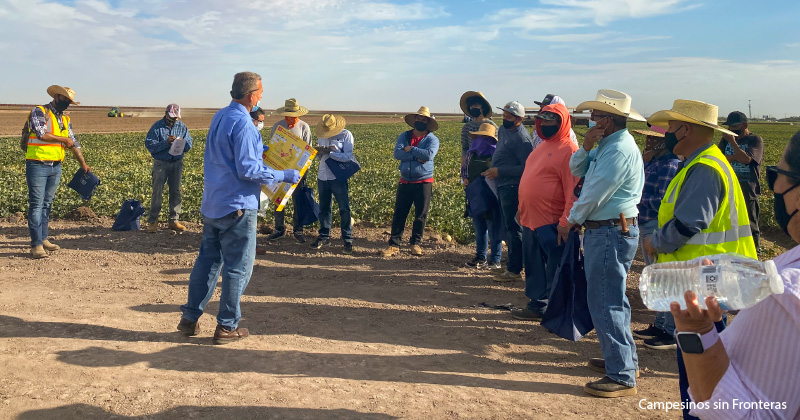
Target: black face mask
(781, 215)
(508, 123)
(61, 105)
(549, 130)
(170, 121)
(475, 112)
(738, 132)
(420, 126)
(671, 140)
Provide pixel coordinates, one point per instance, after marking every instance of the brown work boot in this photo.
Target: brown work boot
(176, 226)
(416, 250)
(390, 251)
(38, 252)
(608, 388)
(188, 328)
(49, 246)
(151, 227)
(597, 364)
(224, 336)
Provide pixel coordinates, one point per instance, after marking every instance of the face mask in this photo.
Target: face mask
(671, 140)
(170, 120)
(256, 106)
(738, 132)
(549, 130)
(781, 215)
(420, 126)
(475, 112)
(508, 123)
(592, 123)
(62, 105)
(291, 121)
(260, 125)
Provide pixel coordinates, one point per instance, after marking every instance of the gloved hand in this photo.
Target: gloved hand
(291, 176)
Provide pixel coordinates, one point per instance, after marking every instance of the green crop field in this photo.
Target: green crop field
(123, 165)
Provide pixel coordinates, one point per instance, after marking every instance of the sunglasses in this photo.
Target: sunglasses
(772, 176)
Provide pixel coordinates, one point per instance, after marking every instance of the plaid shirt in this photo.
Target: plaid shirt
(38, 123)
(658, 173)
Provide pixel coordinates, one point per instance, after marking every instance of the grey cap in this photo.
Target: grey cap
(515, 108)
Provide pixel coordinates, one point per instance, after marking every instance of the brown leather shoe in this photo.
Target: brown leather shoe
(608, 388)
(38, 252)
(49, 246)
(176, 226)
(188, 328)
(390, 251)
(152, 227)
(416, 250)
(597, 364)
(224, 336)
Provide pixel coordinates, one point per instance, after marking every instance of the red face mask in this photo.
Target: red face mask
(291, 121)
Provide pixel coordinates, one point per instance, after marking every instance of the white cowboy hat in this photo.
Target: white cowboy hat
(469, 94)
(694, 112)
(63, 91)
(330, 126)
(425, 112)
(485, 129)
(613, 102)
(291, 109)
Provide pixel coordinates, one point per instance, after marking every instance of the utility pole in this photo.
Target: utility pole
(749, 110)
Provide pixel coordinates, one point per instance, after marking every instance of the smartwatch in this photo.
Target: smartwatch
(696, 343)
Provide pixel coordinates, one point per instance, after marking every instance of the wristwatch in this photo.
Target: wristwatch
(696, 343)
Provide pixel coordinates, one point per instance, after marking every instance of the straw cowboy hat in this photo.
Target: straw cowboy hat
(423, 110)
(485, 129)
(63, 91)
(291, 109)
(330, 126)
(648, 133)
(473, 94)
(694, 112)
(613, 102)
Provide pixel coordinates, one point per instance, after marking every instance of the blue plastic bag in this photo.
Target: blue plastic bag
(128, 217)
(305, 207)
(84, 183)
(567, 313)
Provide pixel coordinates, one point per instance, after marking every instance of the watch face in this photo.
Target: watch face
(690, 343)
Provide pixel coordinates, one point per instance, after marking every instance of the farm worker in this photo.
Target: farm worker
(488, 224)
(660, 166)
(233, 173)
(546, 195)
(744, 152)
(703, 211)
(50, 134)
(755, 359)
(513, 147)
(551, 99)
(333, 142)
(415, 149)
(291, 113)
(477, 107)
(614, 177)
(167, 167)
(258, 117)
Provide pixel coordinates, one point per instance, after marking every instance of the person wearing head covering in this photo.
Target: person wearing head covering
(291, 113)
(50, 134)
(475, 105)
(551, 99)
(415, 149)
(167, 165)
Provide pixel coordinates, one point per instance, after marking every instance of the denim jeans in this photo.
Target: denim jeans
(483, 229)
(664, 320)
(509, 202)
(43, 182)
(169, 173)
(280, 216)
(608, 255)
(228, 247)
(541, 259)
(339, 191)
(407, 194)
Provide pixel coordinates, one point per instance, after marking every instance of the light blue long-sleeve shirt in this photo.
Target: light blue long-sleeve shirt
(614, 179)
(343, 143)
(232, 166)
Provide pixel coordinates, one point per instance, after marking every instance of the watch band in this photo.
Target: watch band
(708, 339)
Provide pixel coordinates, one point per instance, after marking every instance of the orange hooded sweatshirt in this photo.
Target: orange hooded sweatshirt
(546, 189)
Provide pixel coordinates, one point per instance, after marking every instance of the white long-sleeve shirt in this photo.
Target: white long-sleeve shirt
(342, 143)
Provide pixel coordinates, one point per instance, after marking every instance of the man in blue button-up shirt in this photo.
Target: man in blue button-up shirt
(233, 174)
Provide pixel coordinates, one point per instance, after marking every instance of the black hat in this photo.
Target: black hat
(547, 116)
(735, 117)
(546, 100)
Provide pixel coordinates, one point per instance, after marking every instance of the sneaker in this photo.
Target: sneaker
(494, 267)
(188, 328)
(300, 237)
(348, 248)
(477, 262)
(663, 341)
(276, 235)
(49, 246)
(151, 227)
(176, 226)
(507, 276)
(650, 332)
(224, 336)
(320, 242)
(416, 250)
(38, 252)
(526, 314)
(597, 364)
(390, 251)
(609, 388)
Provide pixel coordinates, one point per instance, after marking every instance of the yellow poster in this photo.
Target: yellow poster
(286, 151)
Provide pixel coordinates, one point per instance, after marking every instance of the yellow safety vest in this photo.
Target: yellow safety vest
(42, 150)
(729, 231)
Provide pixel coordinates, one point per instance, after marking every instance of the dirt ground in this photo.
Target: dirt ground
(90, 334)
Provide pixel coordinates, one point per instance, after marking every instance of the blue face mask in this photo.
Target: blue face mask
(592, 123)
(256, 106)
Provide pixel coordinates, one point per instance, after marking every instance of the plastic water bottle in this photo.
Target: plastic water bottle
(736, 281)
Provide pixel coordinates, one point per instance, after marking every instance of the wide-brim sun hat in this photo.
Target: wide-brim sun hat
(474, 94)
(425, 112)
(612, 102)
(291, 109)
(648, 133)
(694, 112)
(485, 129)
(63, 91)
(330, 126)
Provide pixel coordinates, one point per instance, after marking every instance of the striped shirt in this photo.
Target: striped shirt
(38, 123)
(763, 345)
(658, 173)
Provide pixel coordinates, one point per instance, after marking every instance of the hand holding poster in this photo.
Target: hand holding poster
(286, 151)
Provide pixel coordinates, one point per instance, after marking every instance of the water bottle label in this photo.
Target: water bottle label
(710, 276)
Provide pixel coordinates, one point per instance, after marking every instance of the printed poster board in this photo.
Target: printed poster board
(286, 151)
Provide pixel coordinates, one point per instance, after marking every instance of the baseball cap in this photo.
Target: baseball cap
(174, 111)
(547, 116)
(735, 117)
(514, 108)
(546, 101)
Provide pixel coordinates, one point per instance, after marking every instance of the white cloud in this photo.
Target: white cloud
(104, 8)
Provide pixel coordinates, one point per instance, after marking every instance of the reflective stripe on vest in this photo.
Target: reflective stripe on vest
(43, 150)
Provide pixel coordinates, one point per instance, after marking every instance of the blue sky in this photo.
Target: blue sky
(385, 55)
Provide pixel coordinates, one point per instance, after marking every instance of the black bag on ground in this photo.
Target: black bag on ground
(305, 207)
(128, 217)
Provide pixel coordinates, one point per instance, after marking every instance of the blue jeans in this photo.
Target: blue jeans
(43, 182)
(542, 257)
(169, 173)
(228, 247)
(509, 202)
(339, 191)
(483, 228)
(664, 320)
(607, 259)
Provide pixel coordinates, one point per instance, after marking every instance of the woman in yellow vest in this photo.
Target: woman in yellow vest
(50, 134)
